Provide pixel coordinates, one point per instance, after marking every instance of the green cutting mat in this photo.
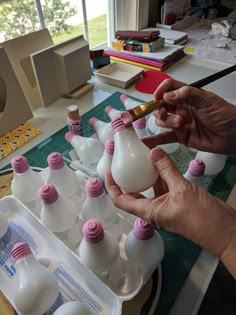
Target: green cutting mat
(181, 254)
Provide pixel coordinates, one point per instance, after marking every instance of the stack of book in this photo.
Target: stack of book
(144, 41)
(158, 60)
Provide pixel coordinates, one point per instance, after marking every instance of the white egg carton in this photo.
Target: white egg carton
(81, 284)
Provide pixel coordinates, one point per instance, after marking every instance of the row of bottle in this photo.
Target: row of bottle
(99, 250)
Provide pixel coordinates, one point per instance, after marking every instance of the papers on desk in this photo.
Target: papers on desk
(171, 37)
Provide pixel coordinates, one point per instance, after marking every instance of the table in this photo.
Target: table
(52, 119)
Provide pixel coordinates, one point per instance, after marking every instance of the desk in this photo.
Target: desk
(53, 118)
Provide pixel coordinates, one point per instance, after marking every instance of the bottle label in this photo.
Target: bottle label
(76, 127)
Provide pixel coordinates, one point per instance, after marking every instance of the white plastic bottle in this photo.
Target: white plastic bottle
(3, 225)
(37, 289)
(103, 130)
(62, 177)
(98, 205)
(104, 164)
(140, 127)
(89, 150)
(73, 308)
(214, 162)
(26, 182)
(100, 252)
(111, 111)
(59, 215)
(129, 102)
(195, 172)
(151, 124)
(144, 247)
(131, 166)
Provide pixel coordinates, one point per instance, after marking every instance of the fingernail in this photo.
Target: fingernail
(157, 154)
(171, 94)
(176, 121)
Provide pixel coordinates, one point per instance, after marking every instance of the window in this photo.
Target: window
(63, 18)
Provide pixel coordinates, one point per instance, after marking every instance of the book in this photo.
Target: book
(143, 61)
(135, 63)
(172, 37)
(162, 54)
(132, 45)
(144, 35)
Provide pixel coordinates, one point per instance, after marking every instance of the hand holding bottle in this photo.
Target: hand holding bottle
(184, 209)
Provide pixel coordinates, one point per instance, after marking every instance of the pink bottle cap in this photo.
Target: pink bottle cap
(48, 194)
(140, 123)
(92, 121)
(142, 230)
(110, 146)
(108, 109)
(123, 98)
(20, 250)
(94, 187)
(69, 136)
(93, 231)
(117, 122)
(20, 164)
(55, 161)
(196, 168)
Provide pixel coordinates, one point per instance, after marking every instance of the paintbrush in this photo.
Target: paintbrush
(142, 110)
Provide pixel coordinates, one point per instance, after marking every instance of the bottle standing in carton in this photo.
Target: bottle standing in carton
(100, 252)
(38, 288)
(144, 247)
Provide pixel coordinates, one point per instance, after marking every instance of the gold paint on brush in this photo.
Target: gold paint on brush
(142, 110)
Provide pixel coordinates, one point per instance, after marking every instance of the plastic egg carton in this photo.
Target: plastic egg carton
(65, 259)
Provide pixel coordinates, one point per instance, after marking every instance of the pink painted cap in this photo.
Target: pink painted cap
(110, 146)
(55, 161)
(93, 231)
(142, 230)
(20, 250)
(69, 136)
(108, 109)
(117, 123)
(196, 168)
(48, 194)
(94, 187)
(20, 164)
(123, 98)
(140, 123)
(92, 121)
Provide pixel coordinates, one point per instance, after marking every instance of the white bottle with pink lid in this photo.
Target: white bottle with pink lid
(214, 162)
(37, 288)
(88, 150)
(103, 130)
(131, 167)
(140, 127)
(59, 215)
(111, 111)
(62, 177)
(26, 182)
(129, 102)
(195, 172)
(104, 164)
(100, 252)
(98, 205)
(144, 247)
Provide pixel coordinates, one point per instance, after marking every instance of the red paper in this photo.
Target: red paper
(151, 80)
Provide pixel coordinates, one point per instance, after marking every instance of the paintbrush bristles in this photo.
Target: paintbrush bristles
(143, 109)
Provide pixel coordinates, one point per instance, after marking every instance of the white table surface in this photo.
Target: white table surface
(53, 118)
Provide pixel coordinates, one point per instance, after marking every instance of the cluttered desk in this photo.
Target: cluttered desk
(186, 269)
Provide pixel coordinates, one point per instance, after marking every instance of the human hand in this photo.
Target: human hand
(183, 208)
(198, 119)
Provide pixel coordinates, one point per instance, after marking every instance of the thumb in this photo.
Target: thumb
(166, 169)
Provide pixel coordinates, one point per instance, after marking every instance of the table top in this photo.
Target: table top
(52, 118)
